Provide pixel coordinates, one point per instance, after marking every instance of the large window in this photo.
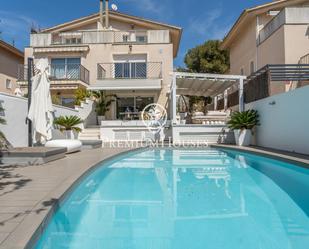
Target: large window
(131, 107)
(65, 68)
(131, 70)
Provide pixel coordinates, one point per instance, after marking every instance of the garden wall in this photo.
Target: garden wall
(15, 113)
(284, 121)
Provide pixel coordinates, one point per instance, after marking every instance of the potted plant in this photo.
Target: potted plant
(242, 123)
(69, 125)
(81, 95)
(103, 102)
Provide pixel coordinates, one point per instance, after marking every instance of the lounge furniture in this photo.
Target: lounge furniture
(211, 118)
(31, 155)
(59, 140)
(71, 145)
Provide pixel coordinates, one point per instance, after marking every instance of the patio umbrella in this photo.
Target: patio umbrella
(41, 108)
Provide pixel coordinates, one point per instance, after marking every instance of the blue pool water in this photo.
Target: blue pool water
(185, 199)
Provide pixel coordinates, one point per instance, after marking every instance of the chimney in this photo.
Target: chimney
(101, 12)
(106, 15)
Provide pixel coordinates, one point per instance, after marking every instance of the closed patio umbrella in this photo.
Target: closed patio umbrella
(41, 108)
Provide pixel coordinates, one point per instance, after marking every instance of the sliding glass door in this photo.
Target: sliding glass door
(132, 106)
(65, 68)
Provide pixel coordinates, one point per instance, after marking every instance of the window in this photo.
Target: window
(252, 69)
(8, 84)
(131, 70)
(65, 68)
(73, 41)
(133, 105)
(141, 39)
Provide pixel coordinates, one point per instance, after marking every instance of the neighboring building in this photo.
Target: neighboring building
(273, 33)
(122, 54)
(10, 58)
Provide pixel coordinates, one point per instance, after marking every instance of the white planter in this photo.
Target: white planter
(100, 119)
(243, 137)
(69, 134)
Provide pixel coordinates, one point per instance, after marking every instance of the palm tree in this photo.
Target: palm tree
(103, 102)
(69, 123)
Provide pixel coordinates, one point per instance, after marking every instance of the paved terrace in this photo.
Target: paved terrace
(27, 193)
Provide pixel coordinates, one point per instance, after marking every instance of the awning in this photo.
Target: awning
(202, 84)
(61, 49)
(196, 84)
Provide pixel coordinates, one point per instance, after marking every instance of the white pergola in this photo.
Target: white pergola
(201, 84)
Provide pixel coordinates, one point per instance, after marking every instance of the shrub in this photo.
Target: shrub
(244, 120)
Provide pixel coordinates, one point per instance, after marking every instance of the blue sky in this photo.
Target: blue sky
(200, 19)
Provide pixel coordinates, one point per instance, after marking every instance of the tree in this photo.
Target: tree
(208, 58)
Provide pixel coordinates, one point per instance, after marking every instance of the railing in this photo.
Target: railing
(58, 72)
(100, 37)
(258, 84)
(293, 15)
(284, 72)
(130, 70)
(304, 59)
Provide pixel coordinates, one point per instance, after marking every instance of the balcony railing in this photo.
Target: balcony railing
(130, 70)
(100, 37)
(304, 59)
(293, 15)
(60, 72)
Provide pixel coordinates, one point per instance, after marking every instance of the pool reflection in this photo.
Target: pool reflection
(174, 198)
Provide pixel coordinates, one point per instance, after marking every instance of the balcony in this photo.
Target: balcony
(70, 75)
(78, 38)
(295, 15)
(129, 75)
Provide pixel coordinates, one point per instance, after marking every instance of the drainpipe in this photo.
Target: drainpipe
(101, 13)
(106, 15)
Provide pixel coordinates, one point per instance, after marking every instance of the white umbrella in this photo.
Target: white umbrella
(41, 108)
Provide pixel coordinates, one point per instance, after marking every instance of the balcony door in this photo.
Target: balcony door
(65, 68)
(130, 66)
(132, 106)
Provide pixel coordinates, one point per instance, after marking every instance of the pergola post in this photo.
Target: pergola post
(216, 103)
(173, 100)
(241, 95)
(225, 99)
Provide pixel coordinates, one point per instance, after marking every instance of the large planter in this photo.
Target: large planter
(100, 119)
(69, 134)
(243, 137)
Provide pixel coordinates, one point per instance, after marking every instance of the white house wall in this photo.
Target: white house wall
(284, 121)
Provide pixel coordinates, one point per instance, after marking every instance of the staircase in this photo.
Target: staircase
(90, 133)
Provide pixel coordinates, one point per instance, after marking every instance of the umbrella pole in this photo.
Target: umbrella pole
(29, 122)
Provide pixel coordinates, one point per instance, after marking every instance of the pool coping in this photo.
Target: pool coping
(289, 157)
(31, 227)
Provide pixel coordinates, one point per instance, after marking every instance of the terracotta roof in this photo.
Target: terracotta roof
(11, 49)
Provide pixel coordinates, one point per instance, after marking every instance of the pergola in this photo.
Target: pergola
(201, 84)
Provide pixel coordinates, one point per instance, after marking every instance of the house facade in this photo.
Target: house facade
(124, 55)
(273, 33)
(10, 58)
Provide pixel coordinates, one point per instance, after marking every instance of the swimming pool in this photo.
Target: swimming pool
(185, 199)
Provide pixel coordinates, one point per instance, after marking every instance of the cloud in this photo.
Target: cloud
(210, 24)
(15, 27)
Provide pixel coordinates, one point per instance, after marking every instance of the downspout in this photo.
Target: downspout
(106, 15)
